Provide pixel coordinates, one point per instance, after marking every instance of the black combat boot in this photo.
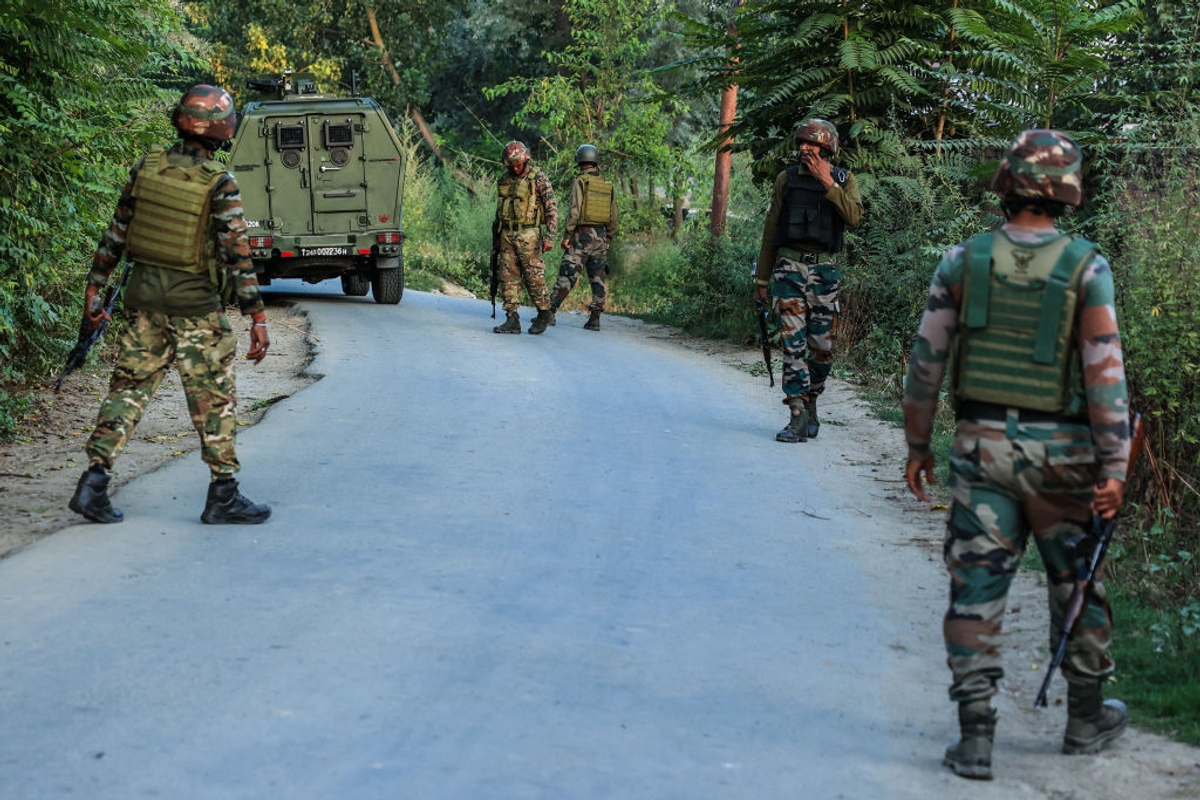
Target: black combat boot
(511, 324)
(540, 322)
(1092, 722)
(593, 323)
(972, 756)
(797, 428)
(91, 497)
(814, 425)
(227, 506)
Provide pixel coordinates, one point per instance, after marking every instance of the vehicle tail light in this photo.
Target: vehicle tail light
(262, 242)
(389, 237)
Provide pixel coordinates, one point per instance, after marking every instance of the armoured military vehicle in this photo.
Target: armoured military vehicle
(322, 180)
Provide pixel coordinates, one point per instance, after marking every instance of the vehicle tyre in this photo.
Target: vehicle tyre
(387, 282)
(355, 284)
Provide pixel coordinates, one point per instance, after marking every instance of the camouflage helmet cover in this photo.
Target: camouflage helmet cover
(1041, 163)
(206, 112)
(587, 154)
(516, 153)
(820, 132)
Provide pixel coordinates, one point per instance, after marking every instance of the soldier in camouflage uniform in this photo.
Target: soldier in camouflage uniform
(526, 203)
(180, 221)
(1025, 319)
(591, 226)
(811, 205)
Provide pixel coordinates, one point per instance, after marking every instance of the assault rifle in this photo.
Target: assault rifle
(763, 312)
(761, 306)
(1086, 567)
(495, 264)
(87, 336)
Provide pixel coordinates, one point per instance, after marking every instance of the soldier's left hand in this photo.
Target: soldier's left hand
(1107, 497)
(547, 246)
(566, 243)
(259, 342)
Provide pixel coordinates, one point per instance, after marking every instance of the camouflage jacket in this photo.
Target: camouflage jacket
(1100, 350)
(171, 291)
(844, 197)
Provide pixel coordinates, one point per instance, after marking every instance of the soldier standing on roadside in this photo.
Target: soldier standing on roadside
(526, 203)
(180, 221)
(810, 208)
(1026, 319)
(590, 229)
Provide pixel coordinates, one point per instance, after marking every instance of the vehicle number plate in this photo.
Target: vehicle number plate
(334, 250)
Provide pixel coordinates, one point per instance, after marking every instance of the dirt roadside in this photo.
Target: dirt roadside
(38, 472)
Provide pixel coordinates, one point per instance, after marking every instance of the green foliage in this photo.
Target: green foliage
(79, 101)
(1158, 653)
(597, 92)
(914, 214)
(447, 222)
(1146, 212)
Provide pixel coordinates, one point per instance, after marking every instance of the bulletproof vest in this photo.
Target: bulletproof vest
(518, 200)
(1017, 343)
(170, 222)
(597, 200)
(807, 216)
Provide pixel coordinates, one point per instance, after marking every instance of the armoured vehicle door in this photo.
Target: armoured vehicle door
(315, 167)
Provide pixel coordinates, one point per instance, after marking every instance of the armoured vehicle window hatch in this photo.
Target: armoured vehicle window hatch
(322, 182)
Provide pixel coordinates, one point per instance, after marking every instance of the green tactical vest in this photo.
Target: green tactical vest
(170, 221)
(1016, 338)
(597, 200)
(519, 204)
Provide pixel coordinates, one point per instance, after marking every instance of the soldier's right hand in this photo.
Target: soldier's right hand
(760, 294)
(914, 470)
(94, 314)
(259, 342)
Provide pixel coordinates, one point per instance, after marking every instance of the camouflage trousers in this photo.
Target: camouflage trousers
(203, 351)
(521, 263)
(588, 250)
(806, 303)
(1009, 480)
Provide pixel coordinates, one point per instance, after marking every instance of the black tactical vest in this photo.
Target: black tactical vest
(807, 216)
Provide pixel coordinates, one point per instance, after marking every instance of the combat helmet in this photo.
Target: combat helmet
(587, 154)
(820, 132)
(206, 112)
(516, 153)
(1043, 164)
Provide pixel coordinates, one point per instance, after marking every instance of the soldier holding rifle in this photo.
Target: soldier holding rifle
(1025, 318)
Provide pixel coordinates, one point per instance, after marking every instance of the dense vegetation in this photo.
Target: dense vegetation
(923, 94)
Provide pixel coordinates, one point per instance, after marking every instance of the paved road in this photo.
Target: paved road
(568, 566)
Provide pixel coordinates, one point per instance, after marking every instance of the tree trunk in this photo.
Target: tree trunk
(724, 165)
(414, 112)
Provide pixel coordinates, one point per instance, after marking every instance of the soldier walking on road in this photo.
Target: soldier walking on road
(810, 208)
(590, 229)
(526, 203)
(180, 221)
(1026, 320)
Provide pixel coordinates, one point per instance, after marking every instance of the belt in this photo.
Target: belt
(504, 226)
(802, 256)
(974, 409)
